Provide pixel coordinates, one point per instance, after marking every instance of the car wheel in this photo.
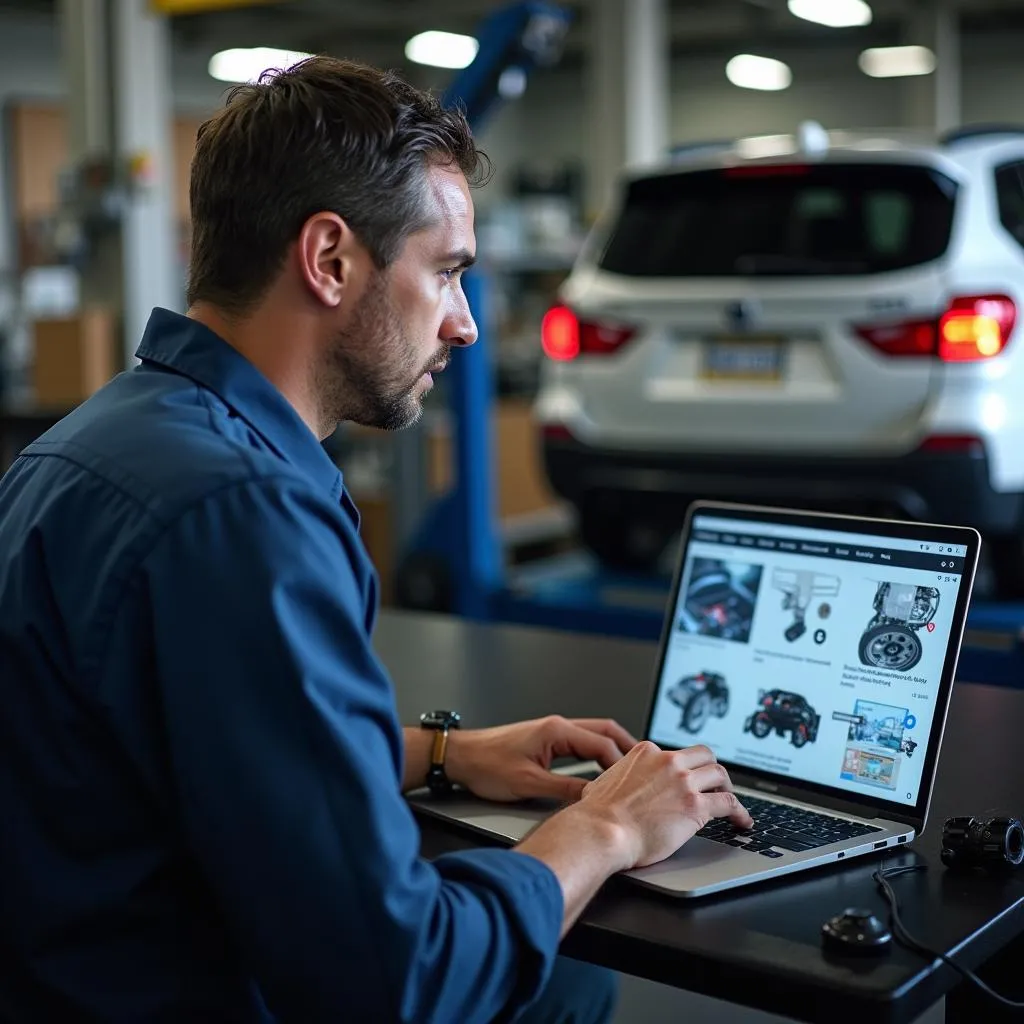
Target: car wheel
(696, 711)
(1001, 572)
(761, 726)
(620, 541)
(895, 648)
(720, 706)
(799, 737)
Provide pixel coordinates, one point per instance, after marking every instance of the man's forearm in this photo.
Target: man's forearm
(582, 851)
(417, 757)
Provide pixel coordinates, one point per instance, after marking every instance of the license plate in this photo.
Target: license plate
(755, 360)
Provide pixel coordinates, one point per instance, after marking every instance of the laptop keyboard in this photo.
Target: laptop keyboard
(780, 827)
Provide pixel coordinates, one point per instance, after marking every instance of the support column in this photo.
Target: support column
(934, 101)
(141, 63)
(646, 72)
(628, 90)
(116, 60)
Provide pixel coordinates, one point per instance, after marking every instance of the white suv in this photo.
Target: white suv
(824, 320)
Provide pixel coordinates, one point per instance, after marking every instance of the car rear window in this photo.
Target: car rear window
(766, 220)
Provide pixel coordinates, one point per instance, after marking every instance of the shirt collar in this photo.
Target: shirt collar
(188, 347)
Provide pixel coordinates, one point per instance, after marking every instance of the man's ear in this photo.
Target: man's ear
(327, 253)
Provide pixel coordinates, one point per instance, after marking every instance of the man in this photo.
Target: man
(200, 766)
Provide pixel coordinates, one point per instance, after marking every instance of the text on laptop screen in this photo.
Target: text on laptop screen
(812, 654)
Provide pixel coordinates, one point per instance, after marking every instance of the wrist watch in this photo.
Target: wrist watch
(440, 722)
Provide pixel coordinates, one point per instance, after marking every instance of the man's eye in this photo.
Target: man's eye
(449, 275)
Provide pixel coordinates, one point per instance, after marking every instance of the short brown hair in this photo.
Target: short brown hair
(325, 134)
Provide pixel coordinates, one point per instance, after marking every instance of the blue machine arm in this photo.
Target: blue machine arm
(454, 562)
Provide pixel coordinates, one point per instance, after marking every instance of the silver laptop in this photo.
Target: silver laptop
(815, 654)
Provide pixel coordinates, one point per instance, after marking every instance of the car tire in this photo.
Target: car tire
(619, 541)
(1002, 570)
(761, 726)
(891, 648)
(696, 712)
(799, 737)
(720, 706)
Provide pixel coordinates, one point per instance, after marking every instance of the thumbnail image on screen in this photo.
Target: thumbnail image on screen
(720, 599)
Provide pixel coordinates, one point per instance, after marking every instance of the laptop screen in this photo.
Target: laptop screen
(813, 653)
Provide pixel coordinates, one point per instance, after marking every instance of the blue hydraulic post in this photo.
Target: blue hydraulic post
(454, 562)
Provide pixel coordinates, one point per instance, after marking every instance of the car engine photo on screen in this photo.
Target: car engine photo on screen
(890, 640)
(699, 697)
(720, 599)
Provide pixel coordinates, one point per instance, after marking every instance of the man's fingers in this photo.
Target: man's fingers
(725, 805)
(711, 777)
(610, 728)
(575, 741)
(694, 757)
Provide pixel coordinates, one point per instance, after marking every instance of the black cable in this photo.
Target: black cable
(881, 877)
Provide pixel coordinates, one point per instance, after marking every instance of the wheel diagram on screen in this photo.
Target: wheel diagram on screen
(892, 640)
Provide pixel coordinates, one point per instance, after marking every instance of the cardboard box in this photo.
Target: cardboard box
(73, 357)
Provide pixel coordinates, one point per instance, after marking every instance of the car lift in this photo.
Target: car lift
(454, 561)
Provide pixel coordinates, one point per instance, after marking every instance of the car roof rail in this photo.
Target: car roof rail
(696, 148)
(979, 131)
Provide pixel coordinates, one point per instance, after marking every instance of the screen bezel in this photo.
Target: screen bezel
(786, 785)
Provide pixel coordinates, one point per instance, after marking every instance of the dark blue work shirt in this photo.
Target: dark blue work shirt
(200, 760)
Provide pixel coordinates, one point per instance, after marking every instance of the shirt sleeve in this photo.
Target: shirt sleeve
(286, 757)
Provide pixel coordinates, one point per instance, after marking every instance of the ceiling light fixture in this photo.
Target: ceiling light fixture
(248, 63)
(750, 72)
(833, 13)
(896, 61)
(442, 49)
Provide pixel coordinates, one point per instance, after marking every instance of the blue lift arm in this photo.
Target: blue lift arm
(455, 561)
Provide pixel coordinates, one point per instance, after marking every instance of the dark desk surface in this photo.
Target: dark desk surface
(759, 945)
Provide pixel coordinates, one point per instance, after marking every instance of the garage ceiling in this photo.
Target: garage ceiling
(378, 29)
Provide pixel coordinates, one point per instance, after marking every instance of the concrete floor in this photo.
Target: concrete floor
(646, 1002)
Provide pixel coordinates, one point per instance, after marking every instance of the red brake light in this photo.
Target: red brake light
(973, 327)
(976, 327)
(963, 444)
(560, 334)
(766, 170)
(597, 339)
(913, 338)
(564, 336)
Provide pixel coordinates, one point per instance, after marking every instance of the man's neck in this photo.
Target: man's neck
(286, 364)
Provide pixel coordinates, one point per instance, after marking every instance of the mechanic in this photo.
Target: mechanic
(201, 769)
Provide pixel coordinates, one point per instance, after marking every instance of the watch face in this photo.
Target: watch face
(440, 720)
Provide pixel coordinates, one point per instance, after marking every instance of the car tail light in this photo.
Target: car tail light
(557, 432)
(974, 327)
(947, 444)
(913, 338)
(564, 336)
(560, 334)
(766, 170)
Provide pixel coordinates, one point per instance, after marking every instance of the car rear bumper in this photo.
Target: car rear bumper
(948, 487)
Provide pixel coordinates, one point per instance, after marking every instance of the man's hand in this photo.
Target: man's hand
(513, 762)
(637, 813)
(658, 799)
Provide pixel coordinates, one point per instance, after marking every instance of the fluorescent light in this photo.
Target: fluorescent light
(247, 64)
(750, 72)
(442, 49)
(897, 61)
(834, 13)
